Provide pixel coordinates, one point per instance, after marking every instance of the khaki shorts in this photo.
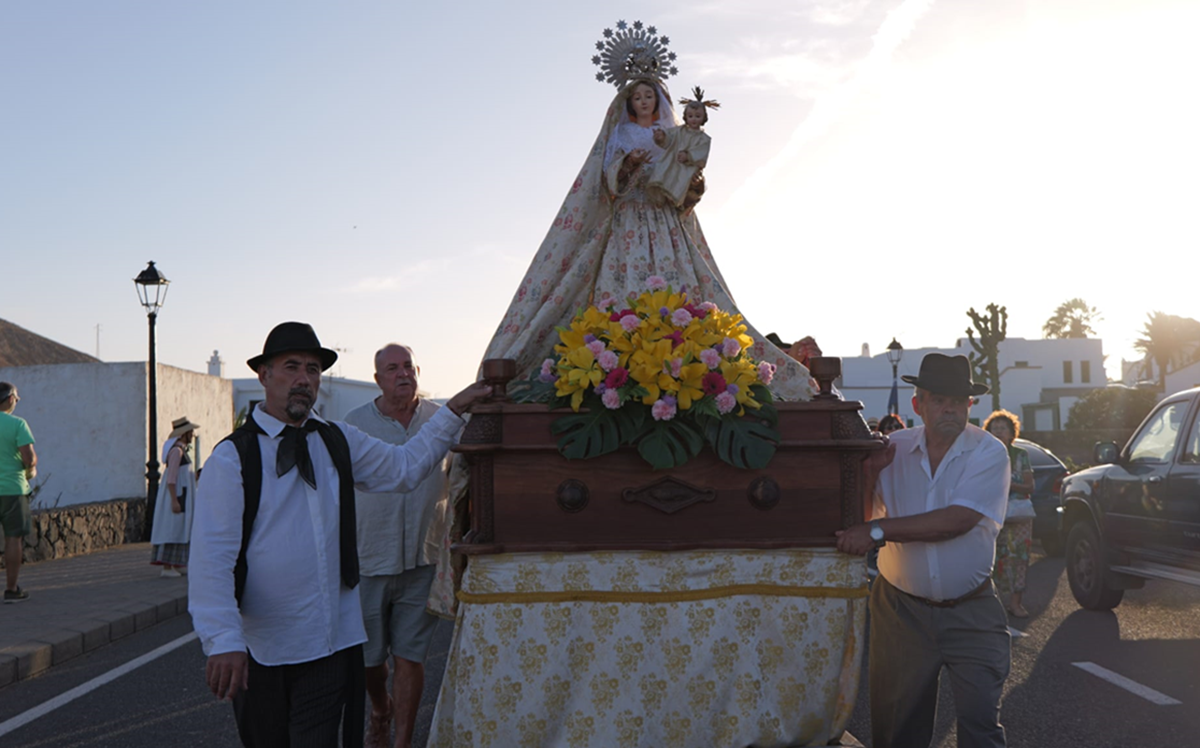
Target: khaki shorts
(394, 615)
(14, 516)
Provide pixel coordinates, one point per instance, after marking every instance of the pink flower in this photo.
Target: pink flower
(708, 306)
(611, 399)
(662, 410)
(608, 360)
(616, 378)
(710, 358)
(676, 337)
(726, 402)
(630, 322)
(681, 317)
(656, 283)
(547, 373)
(676, 367)
(596, 347)
(616, 316)
(766, 371)
(713, 383)
(730, 348)
(697, 312)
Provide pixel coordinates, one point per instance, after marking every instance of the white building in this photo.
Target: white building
(90, 423)
(1039, 379)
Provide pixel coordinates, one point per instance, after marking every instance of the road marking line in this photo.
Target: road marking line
(67, 697)
(1147, 693)
(1016, 633)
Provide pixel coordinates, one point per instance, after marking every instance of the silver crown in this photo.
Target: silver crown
(631, 52)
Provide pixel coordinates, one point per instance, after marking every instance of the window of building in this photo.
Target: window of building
(1085, 371)
(1068, 373)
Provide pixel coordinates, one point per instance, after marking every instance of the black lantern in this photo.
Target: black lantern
(152, 292)
(895, 352)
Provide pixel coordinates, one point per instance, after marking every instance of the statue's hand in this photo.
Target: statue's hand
(660, 137)
(638, 156)
(683, 157)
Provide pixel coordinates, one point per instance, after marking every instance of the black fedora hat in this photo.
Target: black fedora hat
(946, 375)
(293, 336)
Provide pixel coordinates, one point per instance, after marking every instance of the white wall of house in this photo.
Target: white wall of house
(1053, 373)
(90, 423)
(1183, 379)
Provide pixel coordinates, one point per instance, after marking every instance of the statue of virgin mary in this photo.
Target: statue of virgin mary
(610, 235)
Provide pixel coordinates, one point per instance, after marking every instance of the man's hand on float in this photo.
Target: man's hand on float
(463, 400)
(227, 674)
(855, 540)
(876, 461)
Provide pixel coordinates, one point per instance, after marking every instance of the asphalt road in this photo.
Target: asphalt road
(1152, 639)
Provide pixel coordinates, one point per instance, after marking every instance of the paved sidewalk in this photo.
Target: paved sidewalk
(78, 604)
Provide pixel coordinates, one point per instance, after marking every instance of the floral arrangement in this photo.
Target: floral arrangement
(662, 374)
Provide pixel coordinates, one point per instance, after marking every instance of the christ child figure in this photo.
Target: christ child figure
(686, 151)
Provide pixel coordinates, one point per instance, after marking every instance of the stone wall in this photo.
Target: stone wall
(58, 532)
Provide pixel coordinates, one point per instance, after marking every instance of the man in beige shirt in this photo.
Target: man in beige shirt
(397, 569)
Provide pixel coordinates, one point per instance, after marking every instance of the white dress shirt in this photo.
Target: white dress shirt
(974, 473)
(295, 607)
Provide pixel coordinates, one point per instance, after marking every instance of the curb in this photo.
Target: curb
(57, 646)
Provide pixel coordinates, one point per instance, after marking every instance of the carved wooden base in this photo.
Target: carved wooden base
(525, 496)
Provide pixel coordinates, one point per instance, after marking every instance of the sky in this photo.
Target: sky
(387, 170)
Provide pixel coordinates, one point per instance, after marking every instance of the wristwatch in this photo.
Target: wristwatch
(877, 533)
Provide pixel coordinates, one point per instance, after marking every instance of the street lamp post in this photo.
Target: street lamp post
(152, 292)
(895, 352)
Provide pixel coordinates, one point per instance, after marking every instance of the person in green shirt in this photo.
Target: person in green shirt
(18, 465)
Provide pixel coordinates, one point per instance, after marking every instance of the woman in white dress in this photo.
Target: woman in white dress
(172, 529)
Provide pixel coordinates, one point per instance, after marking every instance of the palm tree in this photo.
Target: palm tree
(1170, 341)
(1072, 319)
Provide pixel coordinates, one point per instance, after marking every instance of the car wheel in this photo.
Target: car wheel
(1052, 544)
(1087, 570)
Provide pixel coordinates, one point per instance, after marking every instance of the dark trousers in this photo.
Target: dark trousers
(911, 642)
(302, 705)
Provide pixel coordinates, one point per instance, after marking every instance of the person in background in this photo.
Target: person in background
(395, 559)
(1015, 538)
(18, 466)
(172, 530)
(889, 423)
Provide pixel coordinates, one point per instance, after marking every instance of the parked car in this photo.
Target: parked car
(1136, 515)
(1048, 474)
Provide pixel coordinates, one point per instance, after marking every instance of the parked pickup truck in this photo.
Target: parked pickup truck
(1136, 514)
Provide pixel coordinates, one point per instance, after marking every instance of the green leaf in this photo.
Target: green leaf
(762, 393)
(631, 423)
(582, 436)
(705, 406)
(532, 391)
(669, 444)
(747, 442)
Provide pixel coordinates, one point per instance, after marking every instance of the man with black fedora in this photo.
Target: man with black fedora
(935, 503)
(274, 567)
